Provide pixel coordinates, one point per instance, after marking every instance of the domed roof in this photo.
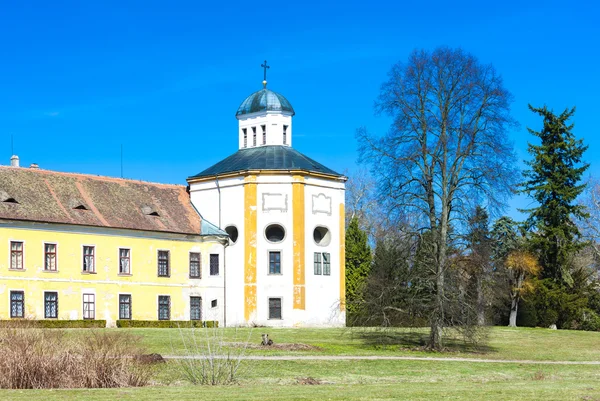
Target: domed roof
(264, 100)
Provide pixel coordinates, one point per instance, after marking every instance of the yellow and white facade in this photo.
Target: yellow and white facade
(285, 215)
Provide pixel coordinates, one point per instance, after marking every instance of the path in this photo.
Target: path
(388, 358)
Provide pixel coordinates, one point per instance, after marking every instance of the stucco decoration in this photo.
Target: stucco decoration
(321, 203)
(274, 202)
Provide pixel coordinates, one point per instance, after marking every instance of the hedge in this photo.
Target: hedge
(167, 324)
(54, 324)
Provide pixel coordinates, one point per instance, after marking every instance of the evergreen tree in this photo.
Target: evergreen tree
(479, 259)
(358, 266)
(553, 181)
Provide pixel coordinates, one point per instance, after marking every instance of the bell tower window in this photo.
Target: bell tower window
(253, 136)
(264, 133)
(285, 127)
(245, 137)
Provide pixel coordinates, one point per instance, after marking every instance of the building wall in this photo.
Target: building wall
(299, 203)
(106, 283)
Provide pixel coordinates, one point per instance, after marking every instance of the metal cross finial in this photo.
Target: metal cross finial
(265, 67)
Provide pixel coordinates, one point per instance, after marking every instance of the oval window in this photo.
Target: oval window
(233, 233)
(322, 236)
(275, 233)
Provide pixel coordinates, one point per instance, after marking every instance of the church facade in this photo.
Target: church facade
(284, 213)
(256, 239)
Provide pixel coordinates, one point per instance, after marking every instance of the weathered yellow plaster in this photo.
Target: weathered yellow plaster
(106, 283)
(342, 258)
(250, 228)
(298, 208)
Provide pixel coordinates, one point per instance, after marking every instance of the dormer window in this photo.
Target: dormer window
(6, 198)
(149, 211)
(285, 127)
(245, 137)
(77, 204)
(264, 133)
(253, 136)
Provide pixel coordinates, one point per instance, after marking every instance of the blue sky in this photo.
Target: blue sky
(164, 79)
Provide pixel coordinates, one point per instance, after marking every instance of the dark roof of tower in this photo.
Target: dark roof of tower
(273, 158)
(264, 100)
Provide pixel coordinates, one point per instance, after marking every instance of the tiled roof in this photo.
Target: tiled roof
(80, 199)
(266, 158)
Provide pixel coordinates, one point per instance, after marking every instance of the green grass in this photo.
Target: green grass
(503, 342)
(374, 379)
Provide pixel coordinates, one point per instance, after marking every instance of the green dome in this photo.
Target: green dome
(264, 100)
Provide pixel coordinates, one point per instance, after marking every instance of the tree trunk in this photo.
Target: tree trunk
(480, 301)
(512, 321)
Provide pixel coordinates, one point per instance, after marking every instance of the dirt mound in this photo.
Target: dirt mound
(311, 381)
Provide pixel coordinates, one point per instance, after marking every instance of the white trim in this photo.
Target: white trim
(105, 282)
(88, 292)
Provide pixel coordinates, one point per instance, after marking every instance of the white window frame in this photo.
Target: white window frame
(10, 241)
(83, 294)
(119, 261)
(269, 307)
(83, 256)
(55, 256)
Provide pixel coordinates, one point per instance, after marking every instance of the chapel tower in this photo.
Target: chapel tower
(284, 213)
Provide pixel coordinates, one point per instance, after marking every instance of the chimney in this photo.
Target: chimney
(14, 161)
(34, 166)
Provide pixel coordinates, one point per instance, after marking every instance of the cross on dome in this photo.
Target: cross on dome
(265, 67)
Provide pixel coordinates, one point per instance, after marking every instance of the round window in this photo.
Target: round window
(233, 233)
(322, 236)
(275, 233)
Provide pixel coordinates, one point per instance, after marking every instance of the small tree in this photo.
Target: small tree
(358, 266)
(521, 266)
(553, 181)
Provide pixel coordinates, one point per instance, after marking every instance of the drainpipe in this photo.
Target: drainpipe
(219, 190)
(225, 282)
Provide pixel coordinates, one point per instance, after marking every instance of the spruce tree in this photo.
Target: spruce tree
(358, 266)
(553, 180)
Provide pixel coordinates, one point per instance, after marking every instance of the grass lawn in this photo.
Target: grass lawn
(503, 342)
(374, 379)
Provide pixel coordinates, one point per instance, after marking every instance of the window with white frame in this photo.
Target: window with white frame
(195, 308)
(164, 307)
(50, 257)
(51, 305)
(195, 270)
(274, 308)
(124, 306)
(253, 136)
(89, 306)
(16, 255)
(124, 261)
(322, 264)
(163, 264)
(274, 262)
(89, 259)
(17, 304)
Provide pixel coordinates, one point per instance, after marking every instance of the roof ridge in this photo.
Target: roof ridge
(87, 175)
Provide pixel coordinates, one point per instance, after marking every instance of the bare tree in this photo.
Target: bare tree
(447, 145)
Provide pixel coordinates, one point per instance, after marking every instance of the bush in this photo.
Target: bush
(167, 324)
(34, 358)
(54, 324)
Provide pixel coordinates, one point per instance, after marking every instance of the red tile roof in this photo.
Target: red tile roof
(80, 199)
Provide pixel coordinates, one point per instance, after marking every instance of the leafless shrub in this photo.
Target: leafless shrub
(33, 358)
(208, 359)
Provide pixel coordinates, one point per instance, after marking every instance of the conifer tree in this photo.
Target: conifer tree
(553, 180)
(358, 266)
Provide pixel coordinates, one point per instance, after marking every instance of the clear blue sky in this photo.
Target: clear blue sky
(78, 79)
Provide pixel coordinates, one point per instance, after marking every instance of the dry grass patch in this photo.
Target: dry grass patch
(33, 358)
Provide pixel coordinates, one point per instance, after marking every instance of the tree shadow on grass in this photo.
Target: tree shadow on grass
(405, 339)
